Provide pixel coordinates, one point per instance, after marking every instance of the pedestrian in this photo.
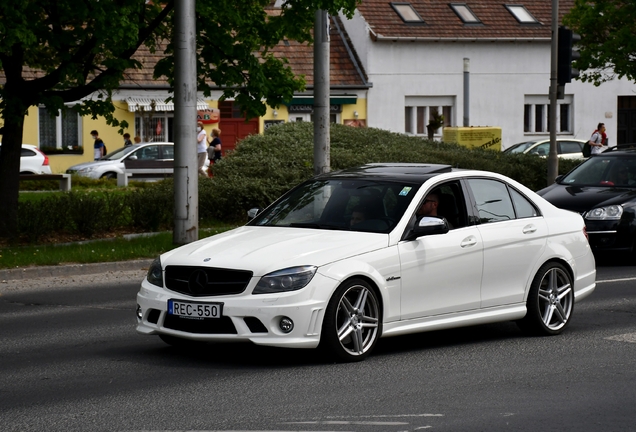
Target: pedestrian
(598, 140)
(99, 148)
(127, 141)
(202, 141)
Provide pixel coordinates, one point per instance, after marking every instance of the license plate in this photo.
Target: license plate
(194, 310)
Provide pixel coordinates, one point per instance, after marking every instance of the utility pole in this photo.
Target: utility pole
(553, 160)
(322, 162)
(186, 181)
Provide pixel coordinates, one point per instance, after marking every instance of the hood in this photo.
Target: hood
(583, 198)
(263, 250)
(92, 164)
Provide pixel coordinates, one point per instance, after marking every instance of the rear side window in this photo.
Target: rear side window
(27, 153)
(568, 147)
(523, 207)
(492, 201)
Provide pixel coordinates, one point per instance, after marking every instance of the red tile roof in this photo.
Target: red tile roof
(441, 22)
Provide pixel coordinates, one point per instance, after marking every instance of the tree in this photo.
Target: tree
(56, 52)
(608, 39)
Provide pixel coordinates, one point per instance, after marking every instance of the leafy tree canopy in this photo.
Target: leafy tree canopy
(608, 38)
(54, 52)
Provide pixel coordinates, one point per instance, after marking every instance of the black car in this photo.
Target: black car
(603, 190)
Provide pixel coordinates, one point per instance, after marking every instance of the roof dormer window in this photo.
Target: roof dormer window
(521, 14)
(465, 13)
(408, 14)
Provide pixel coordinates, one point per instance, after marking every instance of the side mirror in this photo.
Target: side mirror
(133, 157)
(252, 213)
(428, 225)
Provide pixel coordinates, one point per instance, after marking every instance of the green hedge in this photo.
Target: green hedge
(261, 169)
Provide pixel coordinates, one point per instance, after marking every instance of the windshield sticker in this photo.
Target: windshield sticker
(405, 190)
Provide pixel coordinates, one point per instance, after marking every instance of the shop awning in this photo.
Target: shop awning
(135, 104)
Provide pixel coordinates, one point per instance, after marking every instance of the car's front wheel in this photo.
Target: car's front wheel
(550, 301)
(109, 175)
(352, 323)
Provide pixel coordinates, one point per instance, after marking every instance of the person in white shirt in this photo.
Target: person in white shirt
(202, 151)
(598, 140)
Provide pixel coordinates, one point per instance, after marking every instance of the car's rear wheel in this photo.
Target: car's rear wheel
(550, 301)
(352, 323)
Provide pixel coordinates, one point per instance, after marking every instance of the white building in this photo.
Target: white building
(413, 54)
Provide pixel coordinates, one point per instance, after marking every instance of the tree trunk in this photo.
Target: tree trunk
(10, 174)
(431, 132)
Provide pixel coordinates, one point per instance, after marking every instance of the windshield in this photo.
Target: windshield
(603, 171)
(354, 205)
(119, 153)
(520, 147)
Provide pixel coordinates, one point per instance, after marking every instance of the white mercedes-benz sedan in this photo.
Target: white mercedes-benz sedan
(375, 251)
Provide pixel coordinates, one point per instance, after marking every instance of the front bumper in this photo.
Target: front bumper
(245, 317)
(610, 236)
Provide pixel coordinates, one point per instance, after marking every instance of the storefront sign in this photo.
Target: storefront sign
(310, 108)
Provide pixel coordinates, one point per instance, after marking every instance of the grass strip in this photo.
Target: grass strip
(104, 250)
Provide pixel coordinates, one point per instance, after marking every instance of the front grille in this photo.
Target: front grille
(153, 316)
(255, 325)
(206, 281)
(222, 325)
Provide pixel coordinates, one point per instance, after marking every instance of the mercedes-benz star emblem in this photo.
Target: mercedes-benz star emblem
(198, 282)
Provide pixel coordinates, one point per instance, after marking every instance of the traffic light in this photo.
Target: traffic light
(566, 55)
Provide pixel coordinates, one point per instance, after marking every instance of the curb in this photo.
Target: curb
(73, 269)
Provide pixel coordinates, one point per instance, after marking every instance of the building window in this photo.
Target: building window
(536, 115)
(416, 118)
(521, 14)
(230, 109)
(154, 127)
(60, 132)
(465, 13)
(407, 13)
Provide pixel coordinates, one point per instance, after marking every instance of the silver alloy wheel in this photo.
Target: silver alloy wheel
(357, 320)
(556, 298)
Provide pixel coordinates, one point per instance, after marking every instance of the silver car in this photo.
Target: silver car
(145, 159)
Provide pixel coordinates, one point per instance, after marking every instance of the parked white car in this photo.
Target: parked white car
(32, 160)
(347, 257)
(148, 159)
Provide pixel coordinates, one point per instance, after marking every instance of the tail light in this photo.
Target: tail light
(585, 233)
(46, 158)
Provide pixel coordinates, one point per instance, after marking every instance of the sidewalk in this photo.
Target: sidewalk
(73, 269)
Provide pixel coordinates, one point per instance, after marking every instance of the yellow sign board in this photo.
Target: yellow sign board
(485, 137)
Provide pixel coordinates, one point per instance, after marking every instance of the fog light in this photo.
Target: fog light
(286, 325)
(139, 313)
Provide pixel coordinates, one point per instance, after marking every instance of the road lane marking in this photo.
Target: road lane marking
(627, 337)
(616, 280)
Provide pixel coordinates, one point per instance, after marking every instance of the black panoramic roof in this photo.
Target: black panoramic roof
(411, 172)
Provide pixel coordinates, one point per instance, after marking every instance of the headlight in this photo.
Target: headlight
(289, 279)
(613, 212)
(87, 169)
(155, 273)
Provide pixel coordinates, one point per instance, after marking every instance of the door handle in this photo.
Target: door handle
(529, 229)
(468, 242)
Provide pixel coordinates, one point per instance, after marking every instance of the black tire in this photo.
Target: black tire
(179, 342)
(353, 323)
(550, 301)
(109, 175)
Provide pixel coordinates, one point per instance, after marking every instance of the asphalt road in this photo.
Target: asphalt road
(71, 360)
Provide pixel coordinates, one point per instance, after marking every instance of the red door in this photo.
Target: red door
(235, 129)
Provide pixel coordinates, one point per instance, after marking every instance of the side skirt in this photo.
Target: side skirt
(459, 319)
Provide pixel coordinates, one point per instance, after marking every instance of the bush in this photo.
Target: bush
(265, 166)
(262, 168)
